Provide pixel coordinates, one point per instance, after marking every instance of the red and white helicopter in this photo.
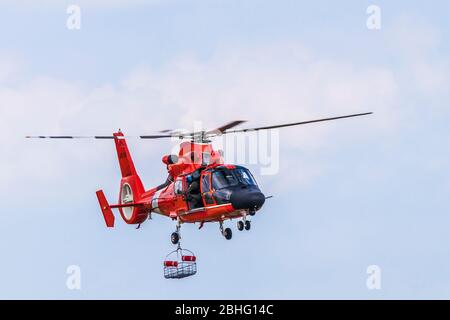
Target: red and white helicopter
(200, 187)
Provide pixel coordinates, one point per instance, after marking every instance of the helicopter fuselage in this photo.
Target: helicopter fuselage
(199, 187)
(225, 192)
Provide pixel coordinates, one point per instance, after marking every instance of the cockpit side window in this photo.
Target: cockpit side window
(245, 177)
(223, 178)
(206, 185)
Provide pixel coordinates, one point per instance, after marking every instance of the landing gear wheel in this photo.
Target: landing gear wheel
(252, 212)
(240, 225)
(227, 233)
(175, 238)
(247, 225)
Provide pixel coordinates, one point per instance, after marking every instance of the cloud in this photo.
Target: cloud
(431, 78)
(272, 84)
(10, 68)
(252, 83)
(416, 43)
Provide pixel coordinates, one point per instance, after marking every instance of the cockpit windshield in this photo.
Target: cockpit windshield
(223, 178)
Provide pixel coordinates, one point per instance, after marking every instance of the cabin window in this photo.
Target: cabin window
(224, 178)
(206, 158)
(245, 177)
(178, 188)
(206, 185)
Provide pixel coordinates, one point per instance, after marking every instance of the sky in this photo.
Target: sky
(347, 194)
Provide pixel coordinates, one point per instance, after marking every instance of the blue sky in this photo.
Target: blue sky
(348, 194)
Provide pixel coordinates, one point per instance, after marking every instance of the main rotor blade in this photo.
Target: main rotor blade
(221, 130)
(158, 136)
(298, 123)
(227, 126)
(99, 137)
(69, 137)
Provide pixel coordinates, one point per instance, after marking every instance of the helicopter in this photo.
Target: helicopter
(200, 187)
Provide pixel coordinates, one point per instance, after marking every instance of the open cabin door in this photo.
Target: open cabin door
(179, 189)
(206, 191)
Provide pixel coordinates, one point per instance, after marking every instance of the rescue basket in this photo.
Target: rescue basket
(180, 263)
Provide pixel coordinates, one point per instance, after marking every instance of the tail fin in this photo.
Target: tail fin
(126, 163)
(131, 187)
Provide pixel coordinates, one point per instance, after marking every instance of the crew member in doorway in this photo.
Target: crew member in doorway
(193, 195)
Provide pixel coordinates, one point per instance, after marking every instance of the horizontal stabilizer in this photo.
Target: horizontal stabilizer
(106, 209)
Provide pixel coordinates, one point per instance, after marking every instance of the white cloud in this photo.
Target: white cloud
(10, 68)
(267, 84)
(413, 37)
(431, 77)
(272, 84)
(416, 43)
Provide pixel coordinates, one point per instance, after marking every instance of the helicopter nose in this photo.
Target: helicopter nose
(243, 199)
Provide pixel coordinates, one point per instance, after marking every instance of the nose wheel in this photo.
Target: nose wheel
(244, 223)
(241, 225)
